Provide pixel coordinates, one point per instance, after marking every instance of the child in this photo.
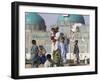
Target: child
(41, 55)
(76, 52)
(63, 48)
(34, 53)
(49, 62)
(85, 60)
(52, 35)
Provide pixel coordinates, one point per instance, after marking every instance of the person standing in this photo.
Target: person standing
(57, 51)
(76, 52)
(63, 48)
(57, 38)
(52, 36)
(34, 54)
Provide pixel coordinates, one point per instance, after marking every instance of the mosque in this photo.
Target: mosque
(35, 28)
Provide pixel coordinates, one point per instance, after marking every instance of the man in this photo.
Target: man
(56, 52)
(63, 47)
(57, 38)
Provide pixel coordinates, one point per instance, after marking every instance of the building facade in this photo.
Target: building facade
(65, 23)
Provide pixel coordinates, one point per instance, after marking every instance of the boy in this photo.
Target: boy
(76, 52)
(85, 60)
(52, 35)
(34, 54)
(49, 62)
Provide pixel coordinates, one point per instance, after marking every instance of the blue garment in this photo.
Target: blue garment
(64, 50)
(34, 49)
(34, 55)
(41, 59)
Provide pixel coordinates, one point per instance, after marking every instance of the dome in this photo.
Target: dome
(35, 20)
(72, 18)
(61, 18)
(32, 18)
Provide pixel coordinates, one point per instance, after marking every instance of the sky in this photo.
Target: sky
(52, 18)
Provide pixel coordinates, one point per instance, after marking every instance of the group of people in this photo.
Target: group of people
(59, 46)
(39, 57)
(59, 50)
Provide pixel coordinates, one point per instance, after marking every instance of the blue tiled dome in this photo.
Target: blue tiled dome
(35, 20)
(61, 18)
(72, 18)
(32, 18)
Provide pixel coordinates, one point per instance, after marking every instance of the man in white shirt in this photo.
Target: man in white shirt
(56, 51)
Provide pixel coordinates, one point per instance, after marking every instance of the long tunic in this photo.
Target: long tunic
(63, 48)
